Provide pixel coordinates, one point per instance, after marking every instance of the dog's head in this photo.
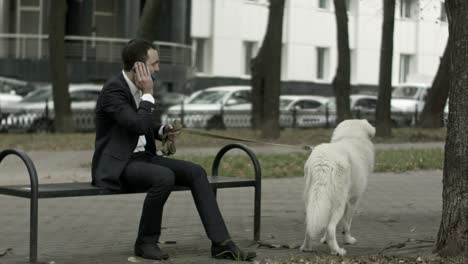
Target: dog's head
(353, 128)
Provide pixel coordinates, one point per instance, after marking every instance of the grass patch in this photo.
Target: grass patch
(280, 165)
(85, 141)
(409, 160)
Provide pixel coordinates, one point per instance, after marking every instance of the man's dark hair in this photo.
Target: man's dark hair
(135, 50)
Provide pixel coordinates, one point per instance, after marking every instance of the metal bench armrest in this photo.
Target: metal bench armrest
(258, 180)
(247, 150)
(33, 198)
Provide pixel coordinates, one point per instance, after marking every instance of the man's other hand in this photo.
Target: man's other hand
(171, 132)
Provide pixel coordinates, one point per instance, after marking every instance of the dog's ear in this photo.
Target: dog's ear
(369, 128)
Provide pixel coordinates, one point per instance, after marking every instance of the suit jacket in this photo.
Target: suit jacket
(119, 123)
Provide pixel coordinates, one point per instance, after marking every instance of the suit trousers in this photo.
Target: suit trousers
(157, 176)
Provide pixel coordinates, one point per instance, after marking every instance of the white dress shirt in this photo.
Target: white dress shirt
(137, 96)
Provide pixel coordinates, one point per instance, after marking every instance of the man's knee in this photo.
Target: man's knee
(169, 180)
(197, 172)
(165, 180)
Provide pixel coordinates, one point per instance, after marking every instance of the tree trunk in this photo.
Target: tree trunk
(266, 75)
(341, 82)
(383, 121)
(452, 239)
(148, 27)
(433, 112)
(63, 121)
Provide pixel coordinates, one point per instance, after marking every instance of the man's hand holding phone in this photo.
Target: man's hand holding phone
(143, 80)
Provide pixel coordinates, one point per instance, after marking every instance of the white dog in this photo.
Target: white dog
(335, 178)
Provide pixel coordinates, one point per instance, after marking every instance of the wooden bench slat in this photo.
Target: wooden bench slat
(55, 190)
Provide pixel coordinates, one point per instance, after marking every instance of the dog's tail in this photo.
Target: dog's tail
(320, 196)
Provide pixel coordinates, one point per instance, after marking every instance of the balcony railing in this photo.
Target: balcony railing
(80, 48)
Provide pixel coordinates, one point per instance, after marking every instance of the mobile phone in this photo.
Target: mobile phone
(133, 69)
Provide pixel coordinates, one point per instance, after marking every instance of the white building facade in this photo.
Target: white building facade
(227, 33)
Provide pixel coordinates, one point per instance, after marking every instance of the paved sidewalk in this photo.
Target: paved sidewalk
(102, 229)
(395, 208)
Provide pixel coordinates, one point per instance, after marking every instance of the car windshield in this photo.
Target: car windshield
(330, 104)
(208, 97)
(39, 95)
(405, 92)
(284, 103)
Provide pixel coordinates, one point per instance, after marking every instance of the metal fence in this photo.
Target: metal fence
(42, 121)
(83, 119)
(223, 118)
(322, 118)
(80, 48)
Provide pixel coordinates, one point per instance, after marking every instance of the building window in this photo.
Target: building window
(405, 67)
(349, 6)
(29, 20)
(250, 51)
(322, 63)
(352, 65)
(443, 12)
(407, 8)
(199, 46)
(323, 4)
(104, 22)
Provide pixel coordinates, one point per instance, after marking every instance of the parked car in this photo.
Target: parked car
(446, 113)
(15, 86)
(35, 112)
(305, 111)
(409, 97)
(7, 99)
(215, 107)
(363, 106)
(164, 100)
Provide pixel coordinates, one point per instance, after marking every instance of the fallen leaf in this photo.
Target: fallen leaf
(6, 252)
(168, 242)
(133, 260)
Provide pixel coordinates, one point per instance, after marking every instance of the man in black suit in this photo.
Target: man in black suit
(125, 159)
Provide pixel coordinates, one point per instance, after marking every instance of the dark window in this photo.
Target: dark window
(241, 97)
(84, 96)
(443, 12)
(406, 8)
(323, 4)
(249, 52)
(367, 103)
(200, 54)
(308, 104)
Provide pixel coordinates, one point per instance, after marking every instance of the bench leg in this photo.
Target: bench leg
(215, 191)
(257, 212)
(33, 231)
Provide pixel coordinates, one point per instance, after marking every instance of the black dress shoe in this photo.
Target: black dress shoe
(229, 250)
(150, 251)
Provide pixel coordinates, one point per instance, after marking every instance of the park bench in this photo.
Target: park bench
(35, 191)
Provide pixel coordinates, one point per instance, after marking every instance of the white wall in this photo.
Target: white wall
(228, 23)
